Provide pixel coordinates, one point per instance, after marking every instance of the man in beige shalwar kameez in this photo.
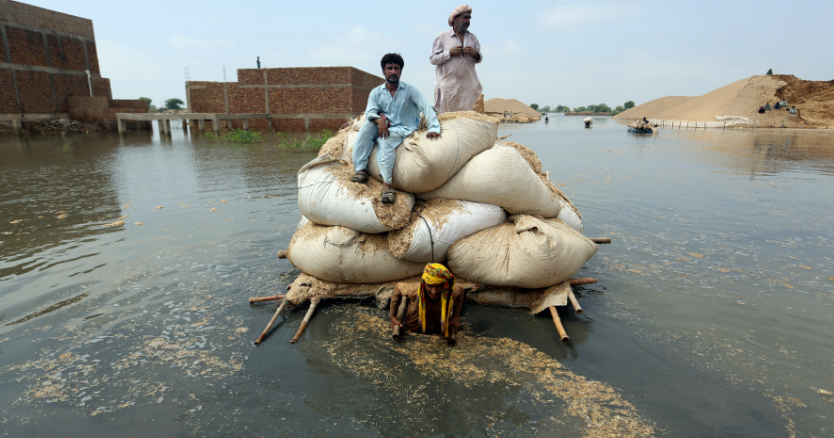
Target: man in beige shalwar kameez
(455, 53)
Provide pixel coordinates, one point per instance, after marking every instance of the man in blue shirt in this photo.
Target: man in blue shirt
(393, 113)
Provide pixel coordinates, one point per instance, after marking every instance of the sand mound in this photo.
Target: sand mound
(649, 109)
(813, 99)
(498, 105)
(743, 98)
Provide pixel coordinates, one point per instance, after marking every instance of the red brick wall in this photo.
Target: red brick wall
(136, 104)
(8, 101)
(68, 85)
(26, 47)
(66, 53)
(44, 18)
(209, 100)
(35, 90)
(92, 56)
(101, 87)
(2, 51)
(88, 108)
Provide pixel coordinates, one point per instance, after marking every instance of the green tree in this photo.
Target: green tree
(619, 109)
(580, 109)
(561, 109)
(535, 106)
(545, 109)
(174, 104)
(629, 104)
(601, 108)
(151, 106)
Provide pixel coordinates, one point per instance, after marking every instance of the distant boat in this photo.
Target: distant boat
(640, 130)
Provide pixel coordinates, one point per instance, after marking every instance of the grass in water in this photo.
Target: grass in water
(237, 136)
(310, 144)
(64, 148)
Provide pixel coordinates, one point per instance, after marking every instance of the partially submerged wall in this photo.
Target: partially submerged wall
(297, 99)
(44, 59)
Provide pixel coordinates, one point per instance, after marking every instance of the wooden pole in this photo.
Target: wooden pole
(601, 240)
(271, 321)
(313, 303)
(581, 281)
(575, 303)
(400, 316)
(558, 322)
(261, 299)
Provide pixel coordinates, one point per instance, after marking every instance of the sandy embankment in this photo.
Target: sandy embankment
(496, 106)
(742, 99)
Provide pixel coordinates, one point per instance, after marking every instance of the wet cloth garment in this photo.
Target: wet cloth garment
(411, 321)
(403, 113)
(456, 82)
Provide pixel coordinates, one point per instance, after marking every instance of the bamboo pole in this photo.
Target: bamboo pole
(601, 240)
(271, 321)
(313, 303)
(261, 299)
(575, 303)
(558, 322)
(400, 316)
(580, 281)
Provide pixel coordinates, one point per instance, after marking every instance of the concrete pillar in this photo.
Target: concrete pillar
(167, 125)
(159, 126)
(307, 125)
(16, 126)
(66, 124)
(201, 125)
(216, 123)
(185, 125)
(245, 124)
(269, 124)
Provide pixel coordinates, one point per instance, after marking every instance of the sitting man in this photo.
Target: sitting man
(435, 308)
(393, 113)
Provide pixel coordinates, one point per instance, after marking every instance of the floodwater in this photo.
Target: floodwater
(712, 315)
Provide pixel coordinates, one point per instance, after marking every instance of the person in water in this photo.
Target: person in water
(392, 114)
(435, 308)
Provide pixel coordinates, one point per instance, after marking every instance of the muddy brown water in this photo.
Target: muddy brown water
(712, 315)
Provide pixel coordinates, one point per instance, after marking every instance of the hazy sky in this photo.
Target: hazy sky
(548, 52)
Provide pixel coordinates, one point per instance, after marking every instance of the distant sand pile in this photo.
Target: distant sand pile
(814, 100)
(498, 105)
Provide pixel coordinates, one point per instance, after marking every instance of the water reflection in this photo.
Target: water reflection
(717, 287)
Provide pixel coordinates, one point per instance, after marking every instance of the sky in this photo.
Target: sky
(546, 52)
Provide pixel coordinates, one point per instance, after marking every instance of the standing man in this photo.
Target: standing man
(393, 113)
(258, 61)
(455, 53)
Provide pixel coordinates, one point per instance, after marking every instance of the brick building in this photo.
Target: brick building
(49, 69)
(297, 99)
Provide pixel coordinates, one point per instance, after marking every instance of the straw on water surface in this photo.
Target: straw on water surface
(478, 361)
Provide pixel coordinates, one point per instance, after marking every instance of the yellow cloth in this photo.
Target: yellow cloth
(436, 274)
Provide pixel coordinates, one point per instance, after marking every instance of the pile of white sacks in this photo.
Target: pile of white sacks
(478, 204)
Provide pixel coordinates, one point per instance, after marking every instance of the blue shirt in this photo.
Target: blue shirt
(403, 109)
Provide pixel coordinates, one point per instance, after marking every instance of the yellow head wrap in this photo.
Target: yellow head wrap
(436, 274)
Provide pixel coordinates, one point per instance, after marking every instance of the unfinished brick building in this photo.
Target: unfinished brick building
(49, 69)
(296, 99)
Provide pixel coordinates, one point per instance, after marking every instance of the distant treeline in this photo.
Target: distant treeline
(600, 108)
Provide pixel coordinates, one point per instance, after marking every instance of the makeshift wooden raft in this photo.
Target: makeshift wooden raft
(307, 288)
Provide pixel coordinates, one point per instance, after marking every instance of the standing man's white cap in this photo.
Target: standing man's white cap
(459, 10)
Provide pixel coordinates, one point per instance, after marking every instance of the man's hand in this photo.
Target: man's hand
(395, 322)
(433, 135)
(451, 340)
(456, 51)
(469, 50)
(383, 128)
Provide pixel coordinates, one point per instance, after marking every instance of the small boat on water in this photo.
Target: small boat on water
(640, 130)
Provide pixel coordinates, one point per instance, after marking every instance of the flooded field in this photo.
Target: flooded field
(712, 316)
